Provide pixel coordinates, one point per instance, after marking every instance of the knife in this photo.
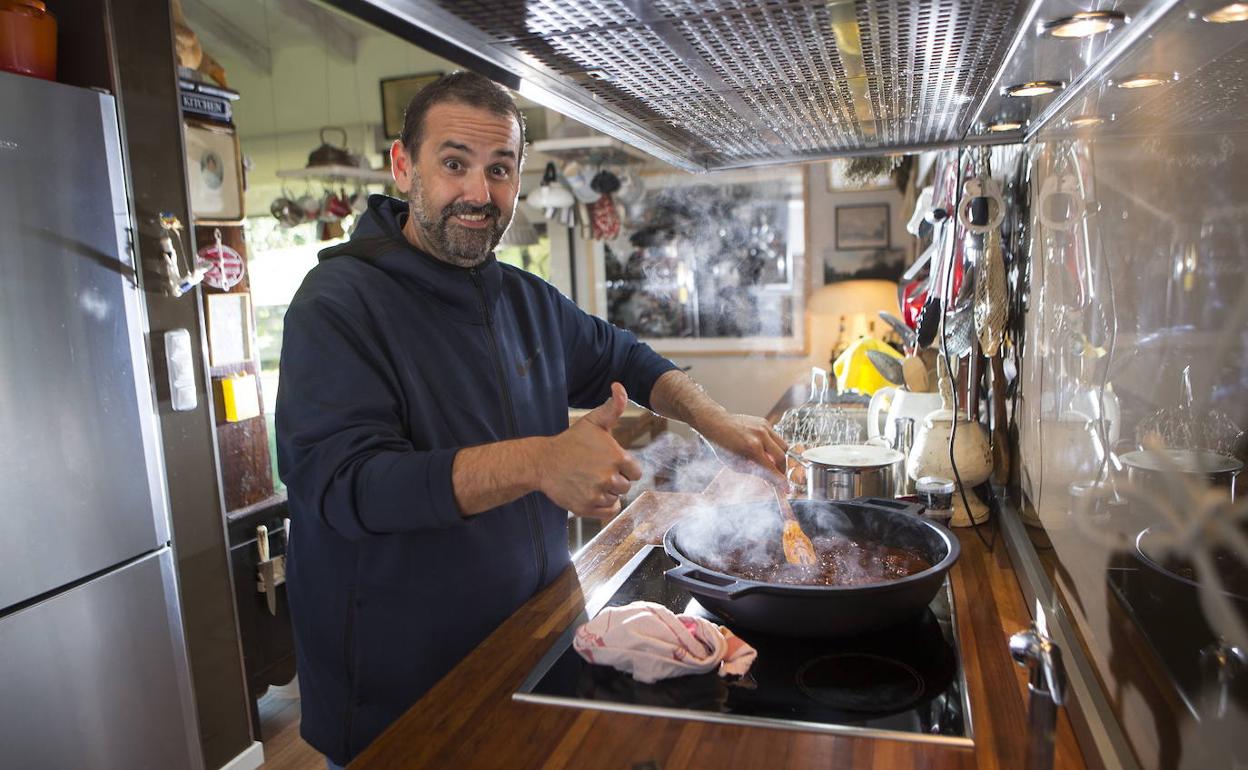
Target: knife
(268, 576)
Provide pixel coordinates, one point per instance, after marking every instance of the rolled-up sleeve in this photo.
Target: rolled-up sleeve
(597, 354)
(342, 449)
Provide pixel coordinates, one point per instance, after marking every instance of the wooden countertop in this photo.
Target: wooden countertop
(469, 720)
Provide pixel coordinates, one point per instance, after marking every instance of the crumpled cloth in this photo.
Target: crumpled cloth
(651, 642)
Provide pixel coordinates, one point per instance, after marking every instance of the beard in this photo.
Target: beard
(453, 243)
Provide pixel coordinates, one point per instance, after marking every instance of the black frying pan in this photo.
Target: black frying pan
(817, 611)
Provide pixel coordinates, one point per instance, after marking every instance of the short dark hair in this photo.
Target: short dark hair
(465, 88)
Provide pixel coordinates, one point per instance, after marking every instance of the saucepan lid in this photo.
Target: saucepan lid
(855, 456)
(1181, 461)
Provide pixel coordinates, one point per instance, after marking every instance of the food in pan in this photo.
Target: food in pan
(841, 562)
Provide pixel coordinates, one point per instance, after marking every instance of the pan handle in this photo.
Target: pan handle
(716, 586)
(901, 506)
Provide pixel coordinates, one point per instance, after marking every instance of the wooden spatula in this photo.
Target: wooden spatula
(797, 547)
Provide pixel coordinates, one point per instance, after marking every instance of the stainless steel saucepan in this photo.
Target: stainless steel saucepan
(847, 471)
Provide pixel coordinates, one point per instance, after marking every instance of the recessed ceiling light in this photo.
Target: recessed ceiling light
(1143, 80)
(1082, 24)
(1034, 88)
(1001, 126)
(1228, 13)
(1085, 121)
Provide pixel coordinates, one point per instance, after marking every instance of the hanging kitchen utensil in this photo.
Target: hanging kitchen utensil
(605, 182)
(981, 213)
(551, 194)
(286, 210)
(908, 340)
(914, 372)
(959, 332)
(945, 265)
(888, 366)
(359, 200)
(579, 179)
(328, 154)
(927, 323)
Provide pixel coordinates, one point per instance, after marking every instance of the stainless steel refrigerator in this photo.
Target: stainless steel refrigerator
(93, 667)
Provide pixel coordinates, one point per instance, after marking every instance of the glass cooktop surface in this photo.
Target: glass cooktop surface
(905, 682)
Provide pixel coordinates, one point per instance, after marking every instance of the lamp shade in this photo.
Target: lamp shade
(848, 298)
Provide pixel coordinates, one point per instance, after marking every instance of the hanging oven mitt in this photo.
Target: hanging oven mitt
(604, 218)
(651, 642)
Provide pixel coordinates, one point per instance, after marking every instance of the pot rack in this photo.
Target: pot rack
(337, 174)
(591, 150)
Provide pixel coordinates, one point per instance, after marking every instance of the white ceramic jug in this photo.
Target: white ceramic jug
(897, 403)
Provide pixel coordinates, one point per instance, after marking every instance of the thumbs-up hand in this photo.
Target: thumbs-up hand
(607, 414)
(586, 470)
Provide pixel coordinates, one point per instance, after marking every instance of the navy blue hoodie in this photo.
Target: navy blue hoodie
(391, 362)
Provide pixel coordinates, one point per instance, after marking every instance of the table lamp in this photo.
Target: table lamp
(839, 313)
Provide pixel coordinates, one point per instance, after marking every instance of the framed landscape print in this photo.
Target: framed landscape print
(861, 227)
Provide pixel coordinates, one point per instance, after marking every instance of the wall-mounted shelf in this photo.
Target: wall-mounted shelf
(337, 174)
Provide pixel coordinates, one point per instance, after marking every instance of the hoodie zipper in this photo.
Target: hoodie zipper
(510, 413)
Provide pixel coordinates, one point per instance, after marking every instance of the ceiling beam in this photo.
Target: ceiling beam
(220, 31)
(339, 39)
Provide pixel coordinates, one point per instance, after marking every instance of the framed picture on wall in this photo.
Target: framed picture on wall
(692, 282)
(229, 328)
(880, 264)
(214, 173)
(862, 226)
(395, 94)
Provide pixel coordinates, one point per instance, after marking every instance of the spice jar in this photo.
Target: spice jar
(936, 494)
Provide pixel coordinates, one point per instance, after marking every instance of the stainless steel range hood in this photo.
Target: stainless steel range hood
(716, 84)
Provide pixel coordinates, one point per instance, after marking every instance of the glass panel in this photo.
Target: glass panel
(1134, 385)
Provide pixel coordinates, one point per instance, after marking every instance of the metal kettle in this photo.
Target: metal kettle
(331, 155)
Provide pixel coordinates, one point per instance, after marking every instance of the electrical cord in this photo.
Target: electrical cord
(993, 508)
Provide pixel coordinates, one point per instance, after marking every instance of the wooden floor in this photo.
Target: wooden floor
(279, 730)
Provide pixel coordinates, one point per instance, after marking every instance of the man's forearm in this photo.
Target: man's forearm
(491, 475)
(676, 395)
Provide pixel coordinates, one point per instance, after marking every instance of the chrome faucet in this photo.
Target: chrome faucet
(1034, 650)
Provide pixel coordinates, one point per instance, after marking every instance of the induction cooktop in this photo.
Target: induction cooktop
(906, 682)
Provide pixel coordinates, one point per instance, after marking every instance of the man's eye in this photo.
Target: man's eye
(452, 164)
(502, 172)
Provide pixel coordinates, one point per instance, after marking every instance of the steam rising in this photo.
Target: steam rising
(738, 520)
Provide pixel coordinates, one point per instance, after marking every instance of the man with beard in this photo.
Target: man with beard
(422, 424)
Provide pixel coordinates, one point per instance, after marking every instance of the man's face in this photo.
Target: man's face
(462, 185)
